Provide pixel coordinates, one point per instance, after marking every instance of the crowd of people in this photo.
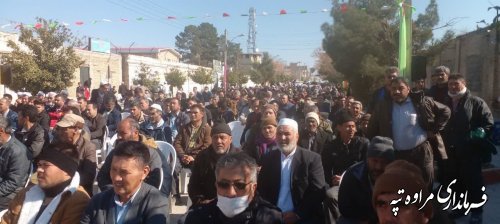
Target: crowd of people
(309, 153)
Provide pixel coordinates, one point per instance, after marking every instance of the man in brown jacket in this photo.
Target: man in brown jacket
(193, 137)
(57, 198)
(70, 130)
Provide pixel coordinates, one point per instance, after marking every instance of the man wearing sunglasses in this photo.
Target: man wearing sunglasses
(237, 201)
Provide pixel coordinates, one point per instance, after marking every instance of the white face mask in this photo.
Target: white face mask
(231, 207)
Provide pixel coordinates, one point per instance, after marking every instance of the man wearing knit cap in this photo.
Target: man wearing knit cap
(338, 155)
(201, 187)
(292, 177)
(355, 191)
(58, 197)
(312, 137)
(401, 175)
(69, 130)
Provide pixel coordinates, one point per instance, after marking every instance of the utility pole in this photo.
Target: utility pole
(225, 61)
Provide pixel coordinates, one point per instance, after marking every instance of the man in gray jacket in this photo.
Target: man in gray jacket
(14, 164)
(131, 200)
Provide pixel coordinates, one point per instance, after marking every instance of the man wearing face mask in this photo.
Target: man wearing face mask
(292, 177)
(237, 201)
(201, 187)
(465, 136)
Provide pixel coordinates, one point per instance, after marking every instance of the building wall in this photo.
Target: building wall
(132, 66)
(98, 69)
(472, 55)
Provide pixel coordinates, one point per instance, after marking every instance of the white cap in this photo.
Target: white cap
(156, 106)
(289, 122)
(104, 82)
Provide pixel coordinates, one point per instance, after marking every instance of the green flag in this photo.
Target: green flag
(405, 39)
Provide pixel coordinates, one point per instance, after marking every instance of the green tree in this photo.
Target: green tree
(324, 66)
(50, 61)
(363, 40)
(202, 76)
(282, 77)
(263, 72)
(238, 77)
(198, 44)
(175, 78)
(147, 78)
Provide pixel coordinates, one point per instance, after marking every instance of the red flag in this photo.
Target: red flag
(78, 23)
(38, 25)
(171, 17)
(282, 12)
(225, 14)
(343, 7)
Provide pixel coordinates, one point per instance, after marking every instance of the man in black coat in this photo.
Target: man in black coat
(355, 190)
(113, 116)
(292, 177)
(201, 187)
(237, 200)
(30, 133)
(470, 125)
(14, 165)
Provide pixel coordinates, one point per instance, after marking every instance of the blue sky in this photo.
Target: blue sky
(291, 37)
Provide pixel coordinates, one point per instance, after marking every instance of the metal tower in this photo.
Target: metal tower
(252, 31)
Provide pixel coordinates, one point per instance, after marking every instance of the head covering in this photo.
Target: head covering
(71, 120)
(268, 121)
(221, 127)
(381, 147)
(402, 174)
(104, 82)
(156, 106)
(313, 115)
(40, 93)
(343, 117)
(64, 162)
(289, 122)
(51, 94)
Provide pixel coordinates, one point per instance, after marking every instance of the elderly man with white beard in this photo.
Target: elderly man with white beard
(292, 177)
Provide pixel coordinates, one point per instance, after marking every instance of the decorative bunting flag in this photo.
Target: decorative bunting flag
(343, 8)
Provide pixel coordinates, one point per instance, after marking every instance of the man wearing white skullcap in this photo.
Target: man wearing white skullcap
(300, 187)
